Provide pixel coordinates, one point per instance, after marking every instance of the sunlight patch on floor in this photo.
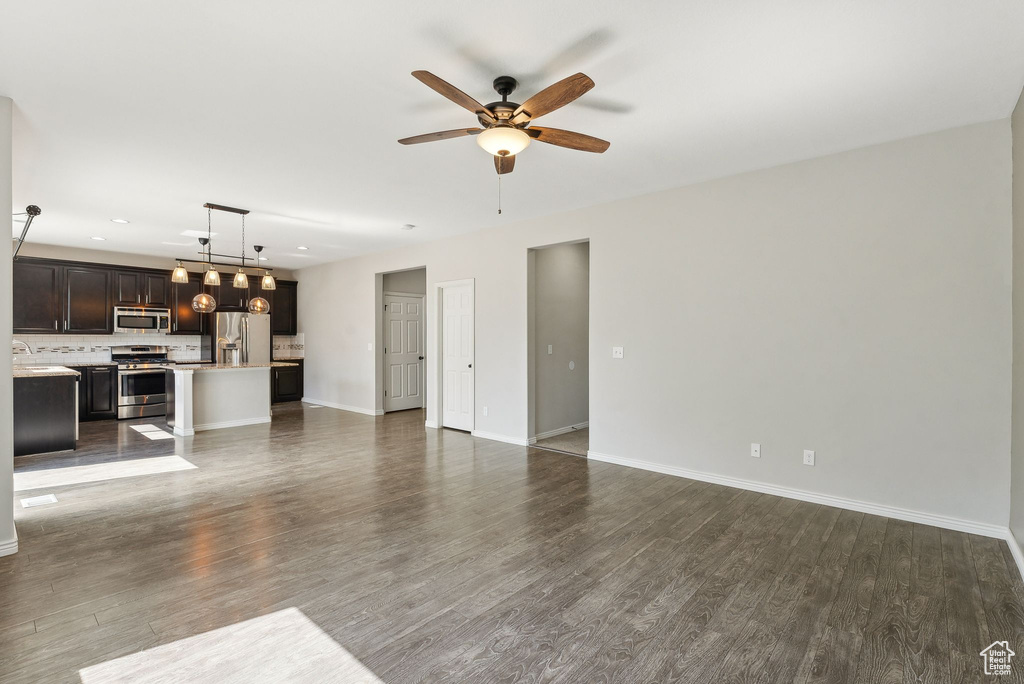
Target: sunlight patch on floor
(98, 472)
(285, 646)
(151, 431)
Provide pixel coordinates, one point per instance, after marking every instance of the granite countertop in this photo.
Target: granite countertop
(225, 366)
(289, 358)
(43, 371)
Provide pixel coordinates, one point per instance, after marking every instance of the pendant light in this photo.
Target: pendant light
(202, 302)
(241, 280)
(212, 277)
(179, 275)
(258, 305)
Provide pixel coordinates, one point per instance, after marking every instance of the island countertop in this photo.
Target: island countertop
(43, 371)
(225, 366)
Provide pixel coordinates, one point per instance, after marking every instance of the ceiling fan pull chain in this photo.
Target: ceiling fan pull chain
(499, 194)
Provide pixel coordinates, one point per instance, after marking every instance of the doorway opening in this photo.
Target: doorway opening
(401, 340)
(558, 358)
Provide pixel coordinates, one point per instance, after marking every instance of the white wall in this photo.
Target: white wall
(411, 282)
(8, 536)
(1017, 460)
(562, 320)
(857, 304)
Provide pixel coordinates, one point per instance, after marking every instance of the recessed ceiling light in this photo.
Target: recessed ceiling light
(263, 258)
(119, 221)
(408, 226)
(101, 239)
(302, 248)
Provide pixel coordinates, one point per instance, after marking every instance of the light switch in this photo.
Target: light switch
(616, 352)
(551, 349)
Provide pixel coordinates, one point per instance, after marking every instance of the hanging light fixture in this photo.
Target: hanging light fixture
(241, 280)
(212, 277)
(258, 305)
(179, 275)
(202, 302)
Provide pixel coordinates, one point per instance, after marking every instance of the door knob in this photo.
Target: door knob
(421, 358)
(470, 365)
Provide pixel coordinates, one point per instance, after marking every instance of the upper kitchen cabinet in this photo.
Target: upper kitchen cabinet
(284, 307)
(230, 297)
(139, 288)
(88, 306)
(37, 300)
(184, 319)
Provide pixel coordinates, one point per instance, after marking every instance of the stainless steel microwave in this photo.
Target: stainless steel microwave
(137, 321)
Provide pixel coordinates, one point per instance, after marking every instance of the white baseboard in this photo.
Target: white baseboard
(946, 522)
(430, 423)
(9, 547)
(1015, 551)
(230, 424)
(343, 407)
(559, 431)
(182, 432)
(500, 438)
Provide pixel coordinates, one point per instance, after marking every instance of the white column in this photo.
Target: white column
(8, 535)
(183, 403)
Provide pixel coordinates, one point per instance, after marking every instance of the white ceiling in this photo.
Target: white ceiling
(147, 110)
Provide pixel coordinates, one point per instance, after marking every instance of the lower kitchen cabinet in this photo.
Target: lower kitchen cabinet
(97, 392)
(286, 382)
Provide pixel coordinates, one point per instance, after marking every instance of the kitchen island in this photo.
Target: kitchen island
(45, 409)
(209, 396)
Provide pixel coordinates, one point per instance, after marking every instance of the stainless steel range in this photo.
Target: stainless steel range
(141, 383)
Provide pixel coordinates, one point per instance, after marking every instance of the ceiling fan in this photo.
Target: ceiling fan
(506, 126)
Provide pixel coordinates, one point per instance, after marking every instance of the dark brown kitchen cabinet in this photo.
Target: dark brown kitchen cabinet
(184, 319)
(286, 382)
(284, 308)
(97, 392)
(37, 297)
(138, 288)
(127, 288)
(232, 298)
(87, 301)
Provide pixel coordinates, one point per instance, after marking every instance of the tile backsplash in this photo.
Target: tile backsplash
(71, 349)
(289, 346)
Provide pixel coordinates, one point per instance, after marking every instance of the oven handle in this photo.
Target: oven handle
(141, 371)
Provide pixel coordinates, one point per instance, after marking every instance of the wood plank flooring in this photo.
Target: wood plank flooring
(433, 556)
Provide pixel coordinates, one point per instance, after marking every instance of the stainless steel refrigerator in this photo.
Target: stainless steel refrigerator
(240, 337)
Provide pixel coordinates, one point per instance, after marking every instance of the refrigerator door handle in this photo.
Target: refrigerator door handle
(245, 339)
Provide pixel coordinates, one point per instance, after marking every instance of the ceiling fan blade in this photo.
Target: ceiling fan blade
(454, 94)
(553, 97)
(574, 141)
(504, 164)
(440, 135)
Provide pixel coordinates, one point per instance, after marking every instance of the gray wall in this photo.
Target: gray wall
(1017, 459)
(562, 319)
(413, 282)
(8, 536)
(857, 304)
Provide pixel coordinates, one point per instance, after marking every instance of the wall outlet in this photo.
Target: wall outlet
(808, 457)
(485, 410)
(616, 352)
(755, 450)
(369, 346)
(551, 349)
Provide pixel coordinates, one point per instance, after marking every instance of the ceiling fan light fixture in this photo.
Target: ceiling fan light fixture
(503, 141)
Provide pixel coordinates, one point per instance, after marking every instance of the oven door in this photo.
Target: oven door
(141, 386)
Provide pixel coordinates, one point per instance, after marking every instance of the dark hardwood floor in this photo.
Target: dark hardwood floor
(435, 556)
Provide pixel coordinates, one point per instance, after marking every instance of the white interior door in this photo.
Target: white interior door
(457, 356)
(403, 352)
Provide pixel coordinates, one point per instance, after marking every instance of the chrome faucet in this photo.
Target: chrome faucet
(23, 350)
